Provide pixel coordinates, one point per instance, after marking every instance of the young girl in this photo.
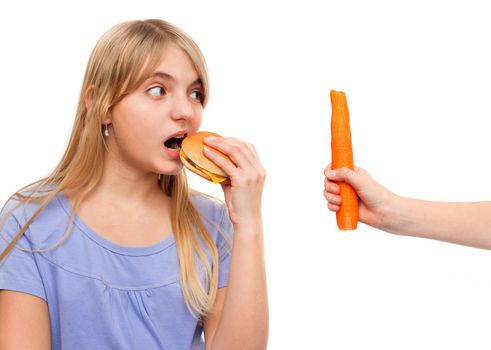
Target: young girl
(111, 250)
(456, 222)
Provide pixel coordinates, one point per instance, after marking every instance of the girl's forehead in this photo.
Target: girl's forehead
(175, 63)
(173, 53)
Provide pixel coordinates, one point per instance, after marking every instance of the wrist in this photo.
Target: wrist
(392, 214)
(249, 226)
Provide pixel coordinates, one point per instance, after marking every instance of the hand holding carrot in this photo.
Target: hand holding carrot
(352, 193)
(465, 223)
(374, 199)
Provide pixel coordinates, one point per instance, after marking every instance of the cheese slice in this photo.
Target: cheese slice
(213, 177)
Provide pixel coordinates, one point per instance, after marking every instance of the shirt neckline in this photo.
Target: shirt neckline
(109, 245)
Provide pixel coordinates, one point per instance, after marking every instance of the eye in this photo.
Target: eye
(197, 95)
(157, 91)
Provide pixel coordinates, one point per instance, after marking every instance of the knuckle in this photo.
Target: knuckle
(262, 173)
(332, 207)
(234, 140)
(332, 198)
(329, 197)
(240, 182)
(327, 169)
(235, 147)
(252, 178)
(330, 187)
(344, 171)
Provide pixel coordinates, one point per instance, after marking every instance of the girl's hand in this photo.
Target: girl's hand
(375, 200)
(243, 193)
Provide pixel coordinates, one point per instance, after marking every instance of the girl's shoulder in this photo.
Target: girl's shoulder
(47, 221)
(22, 209)
(26, 201)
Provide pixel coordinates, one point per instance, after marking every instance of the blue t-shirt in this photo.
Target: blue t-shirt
(102, 295)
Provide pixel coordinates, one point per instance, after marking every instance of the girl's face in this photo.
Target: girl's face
(149, 123)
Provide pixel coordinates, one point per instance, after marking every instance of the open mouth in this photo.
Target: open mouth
(174, 143)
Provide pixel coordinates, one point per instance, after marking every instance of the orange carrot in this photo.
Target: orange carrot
(342, 156)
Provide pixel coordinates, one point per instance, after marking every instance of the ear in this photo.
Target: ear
(88, 95)
(108, 119)
(87, 100)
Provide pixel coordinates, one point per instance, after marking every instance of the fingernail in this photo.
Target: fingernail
(210, 138)
(331, 173)
(206, 150)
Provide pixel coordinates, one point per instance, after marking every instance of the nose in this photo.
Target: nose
(182, 108)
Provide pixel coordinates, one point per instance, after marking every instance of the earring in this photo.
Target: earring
(106, 132)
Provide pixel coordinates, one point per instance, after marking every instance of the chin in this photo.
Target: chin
(170, 170)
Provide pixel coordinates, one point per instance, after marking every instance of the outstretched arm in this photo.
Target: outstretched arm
(456, 222)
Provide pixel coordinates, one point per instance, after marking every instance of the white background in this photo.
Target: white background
(418, 80)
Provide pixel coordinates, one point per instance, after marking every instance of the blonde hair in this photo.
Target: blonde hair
(122, 59)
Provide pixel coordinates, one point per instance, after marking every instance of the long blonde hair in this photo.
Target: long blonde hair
(122, 59)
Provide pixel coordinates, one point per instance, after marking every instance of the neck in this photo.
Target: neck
(123, 182)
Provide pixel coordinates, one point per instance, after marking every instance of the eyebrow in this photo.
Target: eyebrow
(167, 76)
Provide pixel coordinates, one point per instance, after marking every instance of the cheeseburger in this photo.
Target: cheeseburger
(193, 158)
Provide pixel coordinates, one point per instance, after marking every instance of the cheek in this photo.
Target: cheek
(131, 123)
(196, 121)
(135, 114)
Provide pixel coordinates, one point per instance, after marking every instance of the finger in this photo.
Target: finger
(225, 186)
(251, 153)
(340, 174)
(252, 149)
(248, 168)
(257, 163)
(332, 198)
(327, 168)
(333, 207)
(226, 190)
(332, 174)
(235, 149)
(331, 187)
(356, 178)
(227, 166)
(328, 181)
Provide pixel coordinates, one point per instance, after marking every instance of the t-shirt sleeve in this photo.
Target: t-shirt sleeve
(224, 245)
(19, 270)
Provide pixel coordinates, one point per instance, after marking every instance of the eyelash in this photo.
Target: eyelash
(154, 88)
(199, 97)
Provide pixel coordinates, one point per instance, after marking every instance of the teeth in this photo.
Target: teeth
(174, 142)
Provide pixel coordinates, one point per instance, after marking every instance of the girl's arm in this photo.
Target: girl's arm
(456, 222)
(240, 319)
(24, 322)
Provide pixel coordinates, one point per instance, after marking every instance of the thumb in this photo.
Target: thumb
(354, 178)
